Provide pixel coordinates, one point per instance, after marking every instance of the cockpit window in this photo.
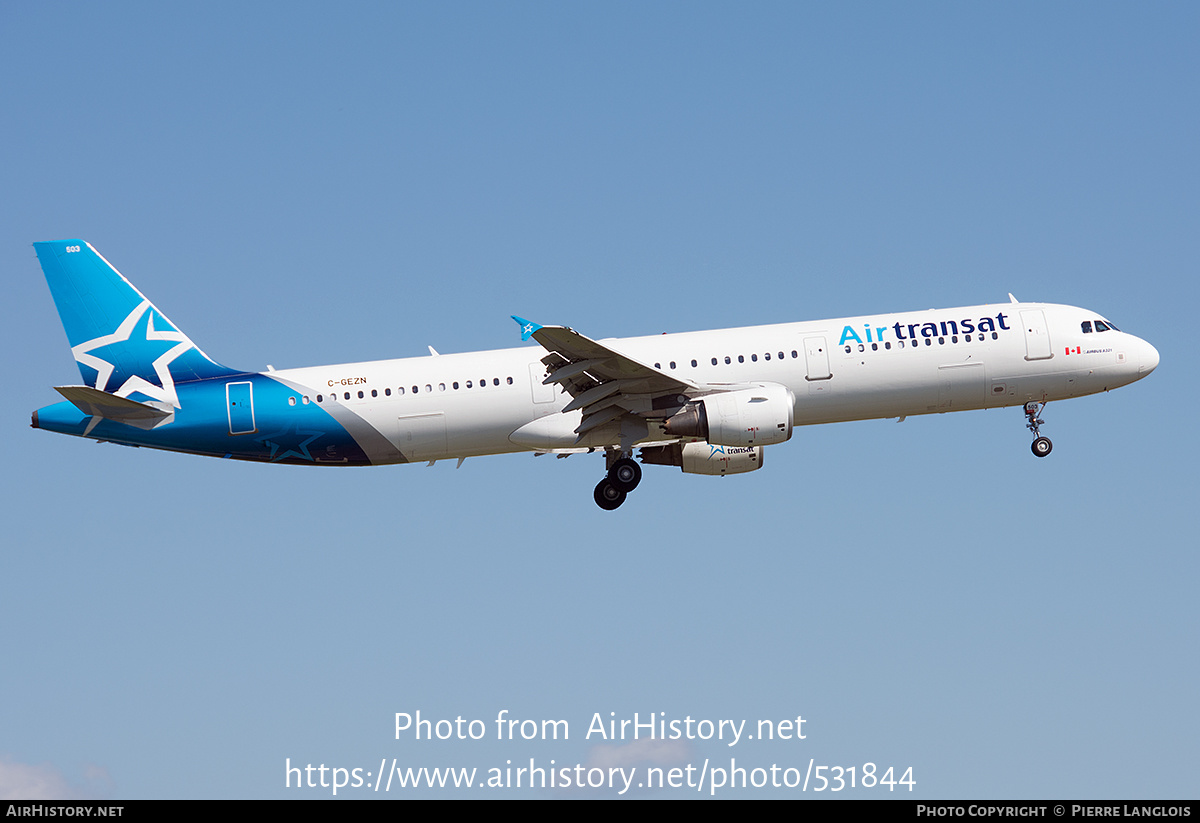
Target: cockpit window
(1101, 325)
(1086, 325)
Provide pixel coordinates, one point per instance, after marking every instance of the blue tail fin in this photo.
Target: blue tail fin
(122, 343)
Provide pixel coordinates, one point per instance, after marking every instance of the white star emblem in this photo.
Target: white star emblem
(104, 369)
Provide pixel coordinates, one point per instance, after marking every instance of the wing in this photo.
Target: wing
(608, 385)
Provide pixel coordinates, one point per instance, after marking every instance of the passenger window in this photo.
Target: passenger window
(672, 364)
(754, 358)
(728, 360)
(509, 381)
(374, 393)
(741, 359)
(347, 395)
(714, 361)
(360, 395)
(495, 381)
(693, 364)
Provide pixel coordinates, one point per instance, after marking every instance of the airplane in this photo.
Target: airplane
(707, 402)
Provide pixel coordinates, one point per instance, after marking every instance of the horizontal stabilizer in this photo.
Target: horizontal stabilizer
(98, 403)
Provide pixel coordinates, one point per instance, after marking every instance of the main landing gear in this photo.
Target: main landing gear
(623, 476)
(1041, 445)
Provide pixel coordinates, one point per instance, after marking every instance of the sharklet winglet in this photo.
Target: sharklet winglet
(528, 327)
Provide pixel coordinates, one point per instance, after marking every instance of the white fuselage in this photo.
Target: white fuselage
(875, 366)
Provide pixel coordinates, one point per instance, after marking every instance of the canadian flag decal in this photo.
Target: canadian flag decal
(1075, 350)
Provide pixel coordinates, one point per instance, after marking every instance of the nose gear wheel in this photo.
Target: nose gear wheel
(1033, 415)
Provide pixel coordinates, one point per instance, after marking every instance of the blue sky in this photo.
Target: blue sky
(303, 183)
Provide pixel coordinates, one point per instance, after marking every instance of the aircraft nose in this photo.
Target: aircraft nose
(1149, 359)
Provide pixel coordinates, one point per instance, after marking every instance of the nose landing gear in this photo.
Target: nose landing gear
(1041, 445)
(623, 476)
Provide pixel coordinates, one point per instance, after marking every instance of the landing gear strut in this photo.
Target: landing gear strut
(1041, 445)
(623, 476)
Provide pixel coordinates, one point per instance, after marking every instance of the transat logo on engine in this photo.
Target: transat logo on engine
(726, 451)
(913, 331)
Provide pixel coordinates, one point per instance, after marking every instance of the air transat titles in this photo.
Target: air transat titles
(942, 328)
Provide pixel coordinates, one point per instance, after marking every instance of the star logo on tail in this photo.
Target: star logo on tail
(132, 348)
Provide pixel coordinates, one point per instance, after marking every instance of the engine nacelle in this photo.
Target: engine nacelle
(702, 458)
(748, 417)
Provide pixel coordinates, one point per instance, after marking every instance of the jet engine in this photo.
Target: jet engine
(760, 416)
(703, 458)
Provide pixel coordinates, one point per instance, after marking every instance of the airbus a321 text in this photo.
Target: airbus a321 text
(707, 402)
